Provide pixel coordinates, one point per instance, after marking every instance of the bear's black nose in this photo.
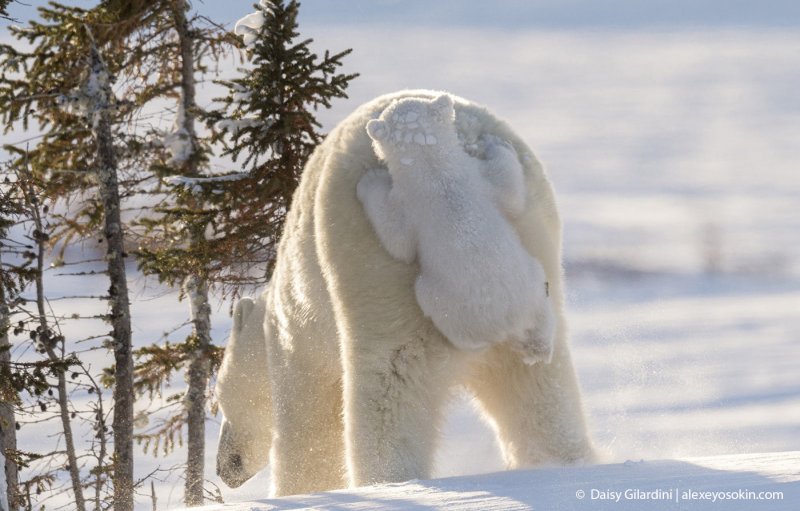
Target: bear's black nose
(230, 469)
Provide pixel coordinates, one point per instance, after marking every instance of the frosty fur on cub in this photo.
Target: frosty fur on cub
(450, 211)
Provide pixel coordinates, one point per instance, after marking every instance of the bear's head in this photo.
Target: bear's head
(413, 125)
(243, 391)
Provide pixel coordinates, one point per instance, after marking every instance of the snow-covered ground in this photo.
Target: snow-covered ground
(769, 482)
(674, 154)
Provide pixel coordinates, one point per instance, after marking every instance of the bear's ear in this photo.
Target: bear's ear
(443, 107)
(376, 129)
(243, 309)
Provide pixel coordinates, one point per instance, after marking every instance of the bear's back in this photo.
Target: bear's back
(330, 261)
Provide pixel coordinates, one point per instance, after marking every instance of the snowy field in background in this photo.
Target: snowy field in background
(675, 160)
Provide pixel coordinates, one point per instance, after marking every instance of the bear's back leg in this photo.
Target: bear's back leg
(536, 409)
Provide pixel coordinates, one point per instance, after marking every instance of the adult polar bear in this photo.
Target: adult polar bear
(358, 377)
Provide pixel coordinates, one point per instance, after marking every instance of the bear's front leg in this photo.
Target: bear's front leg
(307, 453)
(503, 172)
(385, 215)
(396, 386)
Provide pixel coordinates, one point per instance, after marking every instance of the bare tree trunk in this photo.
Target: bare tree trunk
(195, 286)
(8, 423)
(198, 374)
(50, 348)
(118, 295)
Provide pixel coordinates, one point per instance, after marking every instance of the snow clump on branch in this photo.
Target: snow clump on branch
(91, 98)
(249, 26)
(179, 142)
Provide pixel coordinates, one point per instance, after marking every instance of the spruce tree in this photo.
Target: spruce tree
(4, 9)
(267, 121)
(206, 231)
(195, 283)
(48, 340)
(219, 227)
(156, 53)
(176, 53)
(13, 278)
(63, 85)
(51, 371)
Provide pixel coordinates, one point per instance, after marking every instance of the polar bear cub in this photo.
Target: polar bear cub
(450, 212)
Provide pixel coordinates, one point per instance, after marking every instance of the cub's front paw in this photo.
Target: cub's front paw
(495, 147)
(373, 183)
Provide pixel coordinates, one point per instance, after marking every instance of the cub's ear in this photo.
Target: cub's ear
(376, 129)
(443, 107)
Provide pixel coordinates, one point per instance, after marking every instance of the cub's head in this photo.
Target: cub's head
(413, 125)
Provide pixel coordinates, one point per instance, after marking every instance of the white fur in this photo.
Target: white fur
(444, 208)
(359, 377)
(243, 390)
